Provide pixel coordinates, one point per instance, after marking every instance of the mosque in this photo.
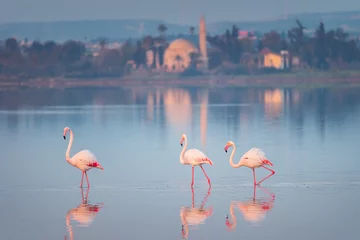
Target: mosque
(181, 53)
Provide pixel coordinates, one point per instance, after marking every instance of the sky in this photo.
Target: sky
(179, 12)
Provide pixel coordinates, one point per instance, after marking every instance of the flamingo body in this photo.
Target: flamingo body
(193, 157)
(196, 157)
(83, 160)
(254, 158)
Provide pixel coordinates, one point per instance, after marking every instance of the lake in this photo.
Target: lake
(310, 135)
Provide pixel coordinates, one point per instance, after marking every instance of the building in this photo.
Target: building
(269, 59)
(182, 53)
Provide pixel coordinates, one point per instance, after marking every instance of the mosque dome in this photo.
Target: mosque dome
(177, 55)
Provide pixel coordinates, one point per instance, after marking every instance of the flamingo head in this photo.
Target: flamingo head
(230, 226)
(228, 144)
(66, 129)
(183, 137)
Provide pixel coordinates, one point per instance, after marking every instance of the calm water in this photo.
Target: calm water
(310, 135)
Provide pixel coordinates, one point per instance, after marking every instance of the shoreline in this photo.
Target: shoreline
(201, 81)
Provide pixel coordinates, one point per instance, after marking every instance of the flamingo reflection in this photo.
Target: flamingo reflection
(254, 210)
(194, 216)
(84, 213)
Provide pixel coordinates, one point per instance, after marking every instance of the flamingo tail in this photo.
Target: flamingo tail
(209, 161)
(266, 161)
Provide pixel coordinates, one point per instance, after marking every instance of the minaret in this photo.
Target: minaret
(202, 42)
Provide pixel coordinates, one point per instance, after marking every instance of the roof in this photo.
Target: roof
(181, 43)
(265, 51)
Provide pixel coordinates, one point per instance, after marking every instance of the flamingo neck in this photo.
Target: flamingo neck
(239, 164)
(69, 227)
(233, 217)
(185, 228)
(67, 154)
(182, 160)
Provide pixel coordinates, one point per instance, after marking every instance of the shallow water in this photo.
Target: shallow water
(310, 135)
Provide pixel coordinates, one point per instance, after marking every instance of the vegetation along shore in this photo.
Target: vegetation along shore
(236, 57)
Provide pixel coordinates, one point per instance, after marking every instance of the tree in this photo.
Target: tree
(162, 29)
(11, 45)
(273, 41)
(320, 47)
(194, 59)
(103, 42)
(179, 61)
(297, 38)
(192, 30)
(72, 52)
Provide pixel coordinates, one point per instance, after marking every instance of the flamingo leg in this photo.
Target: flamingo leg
(272, 173)
(206, 175)
(254, 177)
(87, 180)
(192, 198)
(254, 193)
(192, 179)
(82, 178)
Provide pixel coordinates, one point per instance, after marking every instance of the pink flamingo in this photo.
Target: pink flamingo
(83, 160)
(194, 158)
(254, 210)
(194, 216)
(254, 158)
(84, 213)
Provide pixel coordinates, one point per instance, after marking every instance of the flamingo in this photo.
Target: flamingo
(254, 210)
(194, 216)
(193, 157)
(83, 160)
(84, 213)
(254, 158)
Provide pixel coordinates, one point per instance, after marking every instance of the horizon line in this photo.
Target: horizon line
(275, 18)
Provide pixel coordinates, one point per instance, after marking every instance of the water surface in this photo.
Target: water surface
(310, 135)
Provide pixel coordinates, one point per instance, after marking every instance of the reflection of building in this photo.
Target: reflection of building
(177, 106)
(178, 110)
(273, 102)
(182, 53)
(204, 100)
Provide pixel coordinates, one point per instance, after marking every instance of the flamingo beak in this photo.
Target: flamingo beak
(64, 137)
(226, 148)
(181, 142)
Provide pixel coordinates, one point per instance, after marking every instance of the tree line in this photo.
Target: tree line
(322, 50)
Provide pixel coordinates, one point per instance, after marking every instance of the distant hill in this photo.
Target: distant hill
(134, 28)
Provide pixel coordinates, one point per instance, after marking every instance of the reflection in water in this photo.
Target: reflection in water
(253, 210)
(84, 213)
(204, 101)
(178, 106)
(175, 106)
(273, 103)
(194, 216)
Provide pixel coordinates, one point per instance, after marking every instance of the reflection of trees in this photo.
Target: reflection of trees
(37, 98)
(175, 105)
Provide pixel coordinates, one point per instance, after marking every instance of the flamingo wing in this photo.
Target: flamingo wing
(196, 157)
(86, 159)
(256, 155)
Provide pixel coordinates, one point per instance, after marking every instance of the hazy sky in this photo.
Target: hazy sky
(184, 11)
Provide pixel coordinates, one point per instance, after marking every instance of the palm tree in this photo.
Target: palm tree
(192, 30)
(194, 59)
(179, 60)
(162, 29)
